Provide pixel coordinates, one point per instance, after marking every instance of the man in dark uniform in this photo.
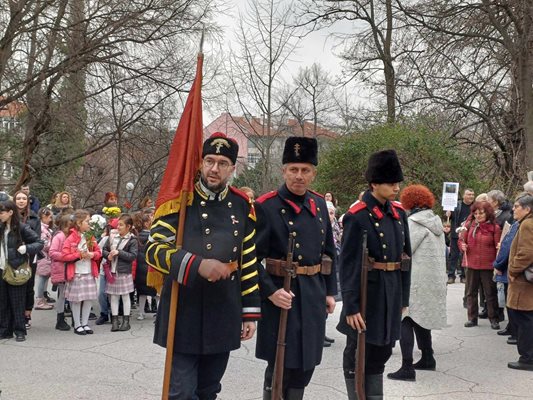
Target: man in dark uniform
(217, 271)
(385, 222)
(294, 210)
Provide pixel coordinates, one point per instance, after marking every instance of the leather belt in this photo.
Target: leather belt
(388, 266)
(278, 268)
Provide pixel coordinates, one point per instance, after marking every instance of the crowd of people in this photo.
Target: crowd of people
(107, 257)
(83, 256)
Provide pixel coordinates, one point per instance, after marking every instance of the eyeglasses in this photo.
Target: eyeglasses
(210, 163)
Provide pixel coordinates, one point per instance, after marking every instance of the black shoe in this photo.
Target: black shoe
(483, 314)
(504, 332)
(328, 339)
(403, 374)
(20, 337)
(92, 316)
(80, 331)
(102, 319)
(326, 344)
(463, 279)
(88, 330)
(520, 365)
(427, 362)
(470, 324)
(61, 324)
(451, 280)
(512, 340)
(48, 299)
(495, 325)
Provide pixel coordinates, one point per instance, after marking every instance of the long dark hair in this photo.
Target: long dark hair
(14, 225)
(25, 213)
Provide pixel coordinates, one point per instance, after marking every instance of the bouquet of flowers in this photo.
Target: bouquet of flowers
(97, 225)
(111, 212)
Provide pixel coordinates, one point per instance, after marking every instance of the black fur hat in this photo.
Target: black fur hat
(384, 167)
(300, 149)
(219, 144)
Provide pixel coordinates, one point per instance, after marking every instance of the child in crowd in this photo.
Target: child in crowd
(143, 223)
(81, 253)
(57, 269)
(109, 232)
(121, 251)
(44, 264)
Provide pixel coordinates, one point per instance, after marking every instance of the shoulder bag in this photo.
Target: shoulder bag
(17, 276)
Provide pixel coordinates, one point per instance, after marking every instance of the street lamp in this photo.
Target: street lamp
(129, 192)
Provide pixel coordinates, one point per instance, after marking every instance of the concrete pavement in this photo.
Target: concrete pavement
(54, 365)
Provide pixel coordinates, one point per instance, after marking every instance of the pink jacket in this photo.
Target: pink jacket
(44, 264)
(71, 254)
(58, 263)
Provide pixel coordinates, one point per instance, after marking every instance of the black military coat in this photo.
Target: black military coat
(388, 291)
(210, 314)
(306, 218)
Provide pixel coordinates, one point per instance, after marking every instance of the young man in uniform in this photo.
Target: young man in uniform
(388, 284)
(295, 210)
(217, 271)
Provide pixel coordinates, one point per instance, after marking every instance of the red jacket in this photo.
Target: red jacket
(481, 240)
(71, 254)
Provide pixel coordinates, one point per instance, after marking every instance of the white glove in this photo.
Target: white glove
(22, 249)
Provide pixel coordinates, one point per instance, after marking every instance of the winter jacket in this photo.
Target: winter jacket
(502, 259)
(28, 238)
(427, 303)
(71, 254)
(481, 240)
(520, 293)
(125, 256)
(44, 264)
(56, 256)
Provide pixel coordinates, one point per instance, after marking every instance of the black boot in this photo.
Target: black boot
(405, 373)
(267, 394)
(350, 388)
(114, 323)
(427, 362)
(294, 394)
(374, 387)
(61, 324)
(125, 326)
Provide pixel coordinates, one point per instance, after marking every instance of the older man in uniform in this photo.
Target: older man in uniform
(295, 210)
(217, 271)
(385, 223)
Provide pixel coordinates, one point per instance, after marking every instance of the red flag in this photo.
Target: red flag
(185, 153)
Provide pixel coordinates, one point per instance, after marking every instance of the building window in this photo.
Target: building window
(253, 159)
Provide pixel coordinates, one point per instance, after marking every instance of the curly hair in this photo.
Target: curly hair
(485, 206)
(417, 196)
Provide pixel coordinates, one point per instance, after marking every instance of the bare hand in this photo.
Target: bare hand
(330, 304)
(213, 270)
(248, 330)
(448, 214)
(282, 299)
(464, 246)
(498, 272)
(112, 254)
(90, 255)
(356, 322)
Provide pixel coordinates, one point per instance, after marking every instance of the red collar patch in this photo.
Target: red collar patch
(313, 206)
(293, 205)
(377, 212)
(394, 212)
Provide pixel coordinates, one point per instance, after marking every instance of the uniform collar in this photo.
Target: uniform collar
(296, 202)
(207, 194)
(377, 209)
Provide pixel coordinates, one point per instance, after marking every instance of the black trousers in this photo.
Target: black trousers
(474, 279)
(455, 259)
(375, 358)
(410, 329)
(292, 378)
(523, 323)
(197, 376)
(12, 303)
(30, 289)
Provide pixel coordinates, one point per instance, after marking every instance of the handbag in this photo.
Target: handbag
(109, 277)
(528, 273)
(17, 276)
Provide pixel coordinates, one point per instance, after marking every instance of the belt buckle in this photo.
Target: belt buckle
(390, 266)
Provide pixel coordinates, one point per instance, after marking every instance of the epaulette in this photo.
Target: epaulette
(240, 193)
(397, 204)
(266, 196)
(360, 205)
(316, 193)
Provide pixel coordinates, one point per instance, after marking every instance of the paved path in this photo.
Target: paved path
(54, 365)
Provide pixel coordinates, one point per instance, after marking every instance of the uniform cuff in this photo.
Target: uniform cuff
(185, 267)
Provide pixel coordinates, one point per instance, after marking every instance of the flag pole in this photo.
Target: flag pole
(173, 311)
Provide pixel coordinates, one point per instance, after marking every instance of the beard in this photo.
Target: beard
(215, 188)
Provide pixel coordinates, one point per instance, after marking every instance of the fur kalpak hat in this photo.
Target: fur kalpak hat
(219, 144)
(384, 167)
(300, 150)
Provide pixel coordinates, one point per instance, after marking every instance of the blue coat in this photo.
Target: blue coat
(502, 259)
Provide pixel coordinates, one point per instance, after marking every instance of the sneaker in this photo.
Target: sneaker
(48, 299)
(102, 319)
(140, 317)
(41, 304)
(20, 337)
(27, 322)
(451, 280)
(92, 316)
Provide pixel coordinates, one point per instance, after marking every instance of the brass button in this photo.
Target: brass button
(322, 230)
(377, 225)
(297, 245)
(300, 257)
(384, 246)
(381, 234)
(294, 234)
(235, 249)
(229, 204)
(208, 246)
(320, 219)
(318, 208)
(204, 216)
(202, 203)
(283, 211)
(235, 233)
(370, 214)
(207, 231)
(322, 243)
(291, 223)
(400, 222)
(384, 257)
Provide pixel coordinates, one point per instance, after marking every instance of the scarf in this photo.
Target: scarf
(484, 229)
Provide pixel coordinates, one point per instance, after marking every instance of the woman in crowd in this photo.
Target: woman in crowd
(142, 224)
(520, 297)
(57, 267)
(427, 302)
(328, 196)
(44, 264)
(146, 202)
(18, 243)
(81, 253)
(121, 251)
(27, 216)
(478, 244)
(63, 201)
(502, 209)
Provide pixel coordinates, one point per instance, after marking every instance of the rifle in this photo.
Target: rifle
(361, 336)
(277, 379)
